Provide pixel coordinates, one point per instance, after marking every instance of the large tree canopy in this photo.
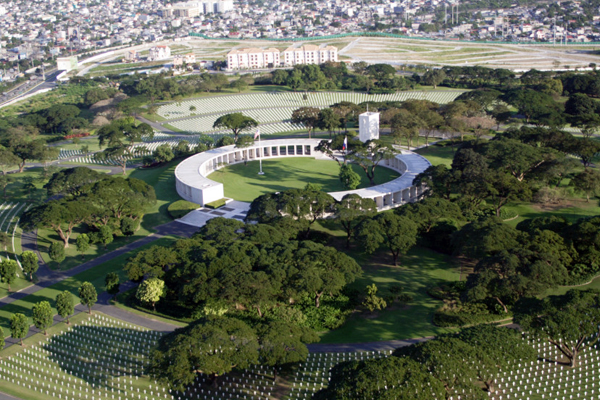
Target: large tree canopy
(236, 122)
(569, 322)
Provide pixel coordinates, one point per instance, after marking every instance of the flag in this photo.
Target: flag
(257, 134)
(345, 146)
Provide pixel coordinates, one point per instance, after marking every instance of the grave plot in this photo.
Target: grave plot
(544, 379)
(242, 102)
(102, 358)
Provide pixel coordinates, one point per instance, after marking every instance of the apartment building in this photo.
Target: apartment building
(253, 58)
(259, 58)
(309, 54)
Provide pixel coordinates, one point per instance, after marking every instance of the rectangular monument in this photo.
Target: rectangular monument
(368, 126)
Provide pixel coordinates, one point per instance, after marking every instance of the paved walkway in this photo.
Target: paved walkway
(47, 277)
(234, 210)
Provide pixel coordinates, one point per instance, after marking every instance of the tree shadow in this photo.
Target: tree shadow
(99, 355)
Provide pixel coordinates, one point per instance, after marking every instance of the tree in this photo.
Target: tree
(57, 252)
(448, 359)
(584, 148)
(105, 235)
(59, 215)
(213, 347)
(398, 233)
(119, 154)
(438, 181)
(351, 211)
(283, 343)
(29, 263)
(239, 84)
(502, 347)
(430, 211)
(568, 322)
(5, 180)
(373, 302)
(150, 291)
(8, 159)
(112, 283)
(8, 272)
(2, 342)
(484, 237)
(236, 122)
(397, 378)
(369, 156)
(88, 295)
(65, 305)
(406, 125)
(26, 151)
(307, 116)
(380, 72)
(19, 327)
(151, 262)
(325, 270)
(328, 120)
(83, 243)
(349, 178)
(163, 153)
(434, 77)
(588, 182)
(42, 316)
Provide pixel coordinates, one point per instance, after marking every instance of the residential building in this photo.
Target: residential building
(159, 53)
(252, 58)
(309, 54)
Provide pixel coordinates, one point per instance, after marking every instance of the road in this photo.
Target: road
(30, 87)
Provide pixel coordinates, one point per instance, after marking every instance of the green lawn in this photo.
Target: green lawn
(243, 183)
(418, 270)
(573, 209)
(437, 155)
(95, 275)
(162, 178)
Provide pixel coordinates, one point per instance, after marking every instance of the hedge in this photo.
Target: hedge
(216, 203)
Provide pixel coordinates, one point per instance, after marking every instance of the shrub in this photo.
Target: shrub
(216, 204)
(129, 226)
(57, 252)
(180, 208)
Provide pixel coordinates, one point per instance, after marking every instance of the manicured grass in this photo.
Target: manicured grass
(94, 275)
(92, 144)
(153, 117)
(243, 183)
(573, 209)
(438, 155)
(162, 179)
(418, 270)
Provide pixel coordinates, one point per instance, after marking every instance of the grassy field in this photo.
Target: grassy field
(95, 275)
(243, 183)
(438, 155)
(418, 270)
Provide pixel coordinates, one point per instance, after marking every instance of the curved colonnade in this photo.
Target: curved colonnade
(193, 185)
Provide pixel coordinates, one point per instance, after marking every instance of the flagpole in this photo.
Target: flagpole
(260, 155)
